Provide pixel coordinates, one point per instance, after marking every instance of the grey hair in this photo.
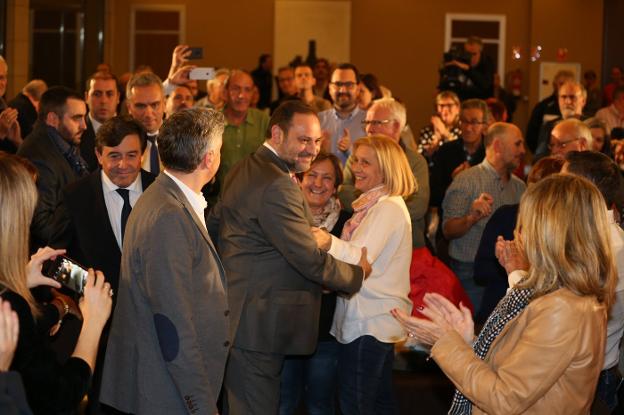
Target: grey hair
(395, 107)
(35, 89)
(143, 79)
(186, 136)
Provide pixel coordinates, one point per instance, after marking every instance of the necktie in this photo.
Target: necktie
(125, 210)
(154, 160)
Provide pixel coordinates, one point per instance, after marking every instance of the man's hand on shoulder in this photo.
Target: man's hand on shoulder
(364, 264)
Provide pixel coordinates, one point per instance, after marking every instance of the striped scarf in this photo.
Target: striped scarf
(509, 307)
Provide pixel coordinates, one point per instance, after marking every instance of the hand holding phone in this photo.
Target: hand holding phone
(66, 271)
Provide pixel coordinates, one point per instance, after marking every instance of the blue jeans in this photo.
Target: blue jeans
(465, 273)
(365, 377)
(314, 376)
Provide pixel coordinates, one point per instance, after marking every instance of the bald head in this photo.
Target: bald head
(504, 146)
(570, 135)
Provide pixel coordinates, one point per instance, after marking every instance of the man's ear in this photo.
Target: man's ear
(53, 120)
(98, 155)
(277, 135)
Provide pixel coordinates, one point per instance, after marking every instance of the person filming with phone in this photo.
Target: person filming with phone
(51, 387)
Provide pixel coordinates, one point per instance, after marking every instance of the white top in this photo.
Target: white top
(615, 325)
(387, 235)
(95, 123)
(114, 202)
(197, 200)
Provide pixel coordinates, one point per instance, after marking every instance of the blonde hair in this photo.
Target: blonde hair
(17, 204)
(395, 168)
(563, 228)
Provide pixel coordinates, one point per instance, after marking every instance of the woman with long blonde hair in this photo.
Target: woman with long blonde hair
(541, 349)
(50, 387)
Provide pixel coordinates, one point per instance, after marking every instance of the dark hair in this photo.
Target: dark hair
(102, 76)
(372, 84)
(55, 100)
(186, 136)
(544, 167)
(617, 92)
(113, 131)
(283, 115)
(497, 108)
(349, 66)
(600, 170)
(303, 65)
(335, 161)
(263, 58)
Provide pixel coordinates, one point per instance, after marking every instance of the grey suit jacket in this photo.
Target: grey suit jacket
(274, 268)
(169, 338)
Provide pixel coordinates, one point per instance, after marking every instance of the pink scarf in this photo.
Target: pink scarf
(360, 208)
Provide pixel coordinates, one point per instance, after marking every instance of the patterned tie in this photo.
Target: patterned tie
(125, 210)
(154, 160)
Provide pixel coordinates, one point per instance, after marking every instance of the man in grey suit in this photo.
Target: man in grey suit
(170, 336)
(274, 269)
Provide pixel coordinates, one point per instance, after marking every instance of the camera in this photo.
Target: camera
(452, 78)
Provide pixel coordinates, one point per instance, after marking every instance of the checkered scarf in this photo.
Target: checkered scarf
(509, 307)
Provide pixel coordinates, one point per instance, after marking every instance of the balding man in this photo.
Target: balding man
(570, 135)
(27, 104)
(387, 116)
(245, 127)
(572, 97)
(476, 193)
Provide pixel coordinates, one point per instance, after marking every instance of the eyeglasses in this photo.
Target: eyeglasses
(556, 144)
(473, 123)
(348, 85)
(375, 122)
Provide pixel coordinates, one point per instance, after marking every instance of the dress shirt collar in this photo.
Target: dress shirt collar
(487, 166)
(95, 123)
(108, 186)
(350, 115)
(248, 120)
(197, 200)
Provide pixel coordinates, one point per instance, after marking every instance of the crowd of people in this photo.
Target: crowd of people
(251, 255)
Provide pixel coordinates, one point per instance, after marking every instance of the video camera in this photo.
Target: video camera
(452, 77)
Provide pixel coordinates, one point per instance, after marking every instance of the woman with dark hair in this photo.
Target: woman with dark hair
(369, 91)
(313, 377)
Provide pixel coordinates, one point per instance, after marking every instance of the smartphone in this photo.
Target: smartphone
(196, 53)
(202, 73)
(66, 271)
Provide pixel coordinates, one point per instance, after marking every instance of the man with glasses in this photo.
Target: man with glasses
(475, 194)
(570, 135)
(387, 117)
(572, 97)
(343, 123)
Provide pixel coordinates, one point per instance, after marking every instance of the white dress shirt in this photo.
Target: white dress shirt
(95, 123)
(386, 233)
(197, 200)
(114, 202)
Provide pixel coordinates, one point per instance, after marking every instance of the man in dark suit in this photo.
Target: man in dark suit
(102, 97)
(274, 268)
(170, 335)
(53, 147)
(90, 221)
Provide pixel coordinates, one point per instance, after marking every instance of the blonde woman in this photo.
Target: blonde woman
(362, 323)
(541, 349)
(50, 387)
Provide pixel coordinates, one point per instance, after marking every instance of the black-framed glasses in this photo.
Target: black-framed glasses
(348, 84)
(556, 144)
(375, 122)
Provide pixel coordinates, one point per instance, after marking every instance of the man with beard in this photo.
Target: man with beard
(476, 193)
(343, 123)
(274, 268)
(181, 98)
(53, 147)
(572, 97)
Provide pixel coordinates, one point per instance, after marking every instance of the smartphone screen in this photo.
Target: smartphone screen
(196, 53)
(66, 271)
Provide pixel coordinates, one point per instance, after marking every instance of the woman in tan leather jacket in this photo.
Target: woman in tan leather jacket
(541, 350)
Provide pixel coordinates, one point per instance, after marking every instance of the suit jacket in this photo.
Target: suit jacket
(87, 146)
(545, 361)
(274, 267)
(82, 226)
(26, 113)
(55, 173)
(170, 334)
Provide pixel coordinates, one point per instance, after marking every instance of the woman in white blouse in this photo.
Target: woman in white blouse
(362, 323)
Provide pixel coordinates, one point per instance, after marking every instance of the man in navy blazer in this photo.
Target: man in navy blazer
(88, 221)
